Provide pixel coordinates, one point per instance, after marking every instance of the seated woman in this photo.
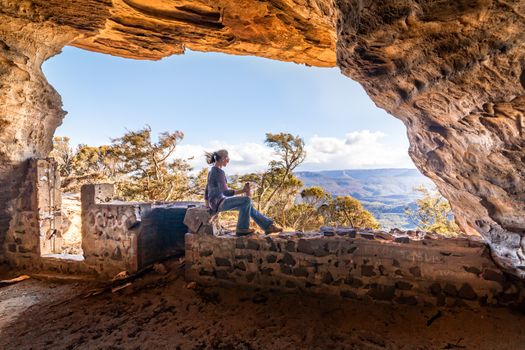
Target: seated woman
(220, 198)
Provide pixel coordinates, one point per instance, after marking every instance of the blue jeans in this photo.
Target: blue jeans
(246, 210)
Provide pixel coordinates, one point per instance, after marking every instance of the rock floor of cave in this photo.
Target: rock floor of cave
(160, 311)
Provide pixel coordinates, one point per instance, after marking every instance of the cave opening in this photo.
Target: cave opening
(225, 101)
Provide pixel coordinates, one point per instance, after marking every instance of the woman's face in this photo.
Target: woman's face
(224, 160)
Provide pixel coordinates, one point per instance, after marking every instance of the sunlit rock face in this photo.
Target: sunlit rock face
(452, 71)
(30, 109)
(300, 31)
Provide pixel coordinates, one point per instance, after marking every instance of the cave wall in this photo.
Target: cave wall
(451, 70)
(30, 109)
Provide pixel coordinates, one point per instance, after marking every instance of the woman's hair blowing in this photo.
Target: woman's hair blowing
(213, 157)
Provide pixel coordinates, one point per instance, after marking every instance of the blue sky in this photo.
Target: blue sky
(224, 101)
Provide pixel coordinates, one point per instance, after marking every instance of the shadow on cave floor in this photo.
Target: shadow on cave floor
(160, 312)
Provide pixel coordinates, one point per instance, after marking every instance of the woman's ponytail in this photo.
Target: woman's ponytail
(213, 157)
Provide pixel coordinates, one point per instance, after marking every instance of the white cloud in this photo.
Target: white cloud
(364, 137)
(244, 157)
(357, 150)
(330, 145)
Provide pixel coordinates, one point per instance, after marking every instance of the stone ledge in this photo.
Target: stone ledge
(453, 272)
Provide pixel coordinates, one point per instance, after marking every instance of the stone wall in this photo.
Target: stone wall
(359, 265)
(35, 225)
(110, 230)
(125, 236)
(116, 236)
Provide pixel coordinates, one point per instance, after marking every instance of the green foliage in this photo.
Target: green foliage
(150, 172)
(289, 148)
(348, 211)
(85, 165)
(304, 217)
(315, 196)
(99, 160)
(63, 154)
(433, 213)
(279, 177)
(143, 170)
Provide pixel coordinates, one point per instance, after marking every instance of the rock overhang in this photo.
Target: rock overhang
(288, 30)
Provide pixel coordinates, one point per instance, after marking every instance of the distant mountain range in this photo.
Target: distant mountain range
(384, 192)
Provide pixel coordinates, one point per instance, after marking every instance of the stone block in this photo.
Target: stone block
(304, 246)
(354, 282)
(223, 262)
(327, 278)
(472, 269)
(205, 253)
(287, 270)
(91, 194)
(202, 221)
(271, 258)
(381, 292)
(240, 266)
(402, 240)
(253, 245)
(367, 270)
(239, 243)
(288, 260)
(300, 272)
(466, 292)
(415, 271)
(23, 249)
(403, 285)
(250, 277)
(407, 300)
(495, 276)
(366, 235)
(450, 290)
(266, 271)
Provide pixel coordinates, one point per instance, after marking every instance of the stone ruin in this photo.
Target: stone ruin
(116, 236)
(413, 267)
(356, 264)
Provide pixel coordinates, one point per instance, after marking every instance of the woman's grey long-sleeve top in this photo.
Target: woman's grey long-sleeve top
(217, 188)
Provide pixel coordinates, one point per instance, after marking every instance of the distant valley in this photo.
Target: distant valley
(384, 192)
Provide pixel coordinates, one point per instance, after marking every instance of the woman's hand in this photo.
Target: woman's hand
(247, 189)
